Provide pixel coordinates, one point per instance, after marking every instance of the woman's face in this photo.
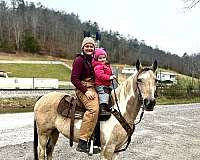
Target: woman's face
(88, 48)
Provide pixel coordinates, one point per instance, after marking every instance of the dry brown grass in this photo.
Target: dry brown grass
(12, 105)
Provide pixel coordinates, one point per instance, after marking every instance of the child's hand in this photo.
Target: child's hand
(112, 77)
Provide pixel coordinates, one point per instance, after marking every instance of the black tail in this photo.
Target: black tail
(35, 141)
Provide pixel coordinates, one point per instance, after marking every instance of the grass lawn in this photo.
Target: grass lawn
(35, 70)
(57, 71)
(164, 100)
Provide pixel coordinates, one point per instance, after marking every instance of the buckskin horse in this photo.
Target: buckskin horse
(134, 93)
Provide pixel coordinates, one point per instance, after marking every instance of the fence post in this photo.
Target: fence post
(33, 83)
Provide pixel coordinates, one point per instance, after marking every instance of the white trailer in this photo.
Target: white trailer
(28, 83)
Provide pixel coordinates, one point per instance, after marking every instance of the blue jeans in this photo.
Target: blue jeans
(103, 96)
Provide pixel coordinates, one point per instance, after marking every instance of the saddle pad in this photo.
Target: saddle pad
(66, 104)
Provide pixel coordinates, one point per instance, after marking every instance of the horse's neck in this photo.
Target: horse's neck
(127, 98)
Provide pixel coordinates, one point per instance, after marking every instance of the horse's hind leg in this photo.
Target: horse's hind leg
(115, 156)
(42, 145)
(51, 143)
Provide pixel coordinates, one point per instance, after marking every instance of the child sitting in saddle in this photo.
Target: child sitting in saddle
(103, 77)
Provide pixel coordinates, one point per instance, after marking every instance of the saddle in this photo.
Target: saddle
(71, 107)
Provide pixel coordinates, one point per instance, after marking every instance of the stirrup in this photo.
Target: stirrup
(104, 113)
(85, 150)
(96, 150)
(82, 146)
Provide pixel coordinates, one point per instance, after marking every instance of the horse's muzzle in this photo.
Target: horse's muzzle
(149, 104)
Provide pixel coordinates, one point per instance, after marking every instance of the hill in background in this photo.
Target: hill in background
(36, 29)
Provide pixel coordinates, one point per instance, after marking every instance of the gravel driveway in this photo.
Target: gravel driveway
(168, 133)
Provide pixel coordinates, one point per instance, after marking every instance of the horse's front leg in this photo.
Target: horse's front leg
(107, 152)
(115, 156)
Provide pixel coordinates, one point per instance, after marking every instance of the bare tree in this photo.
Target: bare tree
(191, 3)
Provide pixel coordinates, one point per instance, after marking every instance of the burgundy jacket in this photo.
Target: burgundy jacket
(81, 69)
(102, 73)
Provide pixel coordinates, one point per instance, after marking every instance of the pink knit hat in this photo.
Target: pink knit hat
(98, 52)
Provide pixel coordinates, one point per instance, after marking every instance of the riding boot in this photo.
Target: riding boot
(82, 146)
(104, 109)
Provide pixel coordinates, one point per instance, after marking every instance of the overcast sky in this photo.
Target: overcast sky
(161, 23)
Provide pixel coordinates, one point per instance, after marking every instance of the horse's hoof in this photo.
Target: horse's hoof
(96, 150)
(82, 146)
(82, 150)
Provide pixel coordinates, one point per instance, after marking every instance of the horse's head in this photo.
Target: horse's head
(146, 84)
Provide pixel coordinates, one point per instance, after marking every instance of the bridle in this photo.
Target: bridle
(140, 98)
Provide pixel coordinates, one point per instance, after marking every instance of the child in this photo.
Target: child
(103, 77)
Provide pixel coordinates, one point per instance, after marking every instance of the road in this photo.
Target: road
(16, 128)
(170, 132)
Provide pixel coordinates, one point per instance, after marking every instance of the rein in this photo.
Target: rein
(122, 120)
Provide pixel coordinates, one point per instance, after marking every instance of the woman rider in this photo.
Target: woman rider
(82, 78)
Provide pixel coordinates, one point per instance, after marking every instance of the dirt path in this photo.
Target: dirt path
(168, 133)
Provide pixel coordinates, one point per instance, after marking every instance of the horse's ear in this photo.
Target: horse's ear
(138, 65)
(155, 65)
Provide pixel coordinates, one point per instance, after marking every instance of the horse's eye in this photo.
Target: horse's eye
(139, 80)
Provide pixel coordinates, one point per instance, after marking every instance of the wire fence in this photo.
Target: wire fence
(177, 93)
(11, 93)
(160, 92)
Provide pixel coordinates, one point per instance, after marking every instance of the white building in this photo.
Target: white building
(169, 77)
(162, 76)
(129, 70)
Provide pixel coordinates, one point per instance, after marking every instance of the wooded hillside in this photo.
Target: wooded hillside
(36, 29)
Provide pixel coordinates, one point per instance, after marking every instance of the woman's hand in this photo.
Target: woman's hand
(112, 77)
(90, 95)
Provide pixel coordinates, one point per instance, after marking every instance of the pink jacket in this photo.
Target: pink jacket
(102, 73)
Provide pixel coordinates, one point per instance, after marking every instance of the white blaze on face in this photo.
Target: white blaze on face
(144, 75)
(147, 84)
